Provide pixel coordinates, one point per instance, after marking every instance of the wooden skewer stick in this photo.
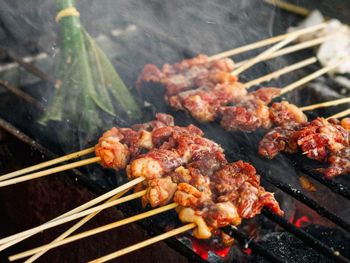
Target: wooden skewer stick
(89, 204)
(276, 74)
(289, 7)
(75, 227)
(48, 163)
(50, 171)
(266, 42)
(48, 225)
(325, 104)
(78, 215)
(95, 231)
(312, 76)
(145, 243)
(263, 55)
(288, 50)
(340, 114)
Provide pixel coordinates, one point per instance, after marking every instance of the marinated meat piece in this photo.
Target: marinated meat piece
(222, 214)
(253, 199)
(188, 215)
(277, 140)
(345, 123)
(162, 120)
(203, 103)
(321, 138)
(188, 74)
(208, 162)
(339, 164)
(188, 196)
(191, 148)
(112, 152)
(160, 191)
(227, 180)
(162, 134)
(265, 94)
(154, 164)
(239, 184)
(191, 182)
(285, 113)
(246, 116)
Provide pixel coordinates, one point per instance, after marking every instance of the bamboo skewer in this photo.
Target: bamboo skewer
(89, 204)
(48, 163)
(288, 50)
(76, 216)
(289, 7)
(340, 114)
(325, 104)
(50, 171)
(266, 42)
(74, 228)
(278, 73)
(145, 243)
(263, 55)
(312, 76)
(95, 231)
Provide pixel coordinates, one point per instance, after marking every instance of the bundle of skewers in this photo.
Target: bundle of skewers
(174, 167)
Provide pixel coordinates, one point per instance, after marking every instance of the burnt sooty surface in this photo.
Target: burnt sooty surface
(134, 33)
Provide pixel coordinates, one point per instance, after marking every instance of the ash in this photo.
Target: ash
(290, 249)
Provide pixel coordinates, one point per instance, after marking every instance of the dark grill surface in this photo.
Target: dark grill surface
(168, 31)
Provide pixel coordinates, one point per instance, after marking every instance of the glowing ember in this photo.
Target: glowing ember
(300, 221)
(202, 248)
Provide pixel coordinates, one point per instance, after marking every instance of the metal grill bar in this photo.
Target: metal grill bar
(306, 237)
(331, 184)
(322, 211)
(244, 239)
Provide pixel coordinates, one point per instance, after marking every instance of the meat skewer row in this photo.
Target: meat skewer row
(251, 112)
(176, 146)
(323, 140)
(139, 133)
(184, 66)
(207, 71)
(169, 121)
(210, 192)
(139, 138)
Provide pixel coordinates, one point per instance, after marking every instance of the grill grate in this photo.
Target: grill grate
(239, 235)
